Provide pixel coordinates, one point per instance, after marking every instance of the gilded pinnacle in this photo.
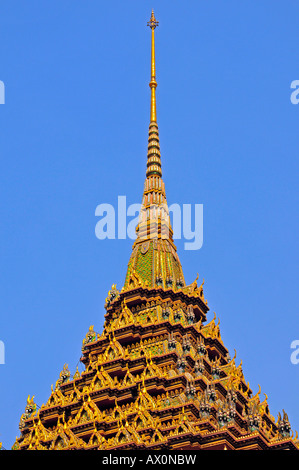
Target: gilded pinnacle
(153, 23)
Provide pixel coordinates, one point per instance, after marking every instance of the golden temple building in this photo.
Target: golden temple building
(158, 377)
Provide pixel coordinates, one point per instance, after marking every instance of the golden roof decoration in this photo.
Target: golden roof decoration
(159, 376)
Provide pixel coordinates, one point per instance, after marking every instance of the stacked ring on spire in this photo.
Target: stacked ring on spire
(153, 153)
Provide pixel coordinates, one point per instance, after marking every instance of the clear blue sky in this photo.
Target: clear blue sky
(74, 135)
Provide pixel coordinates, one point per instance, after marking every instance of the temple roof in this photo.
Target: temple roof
(158, 377)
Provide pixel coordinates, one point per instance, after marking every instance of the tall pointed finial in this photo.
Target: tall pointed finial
(151, 261)
(153, 23)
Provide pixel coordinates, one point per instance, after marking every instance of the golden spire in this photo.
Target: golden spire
(153, 23)
(153, 154)
(154, 241)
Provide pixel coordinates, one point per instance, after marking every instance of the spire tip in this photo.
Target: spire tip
(153, 23)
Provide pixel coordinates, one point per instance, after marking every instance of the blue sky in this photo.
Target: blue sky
(74, 135)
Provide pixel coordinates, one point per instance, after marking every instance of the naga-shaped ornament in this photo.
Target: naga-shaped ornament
(64, 376)
(30, 411)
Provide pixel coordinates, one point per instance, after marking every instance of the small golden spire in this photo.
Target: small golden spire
(153, 23)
